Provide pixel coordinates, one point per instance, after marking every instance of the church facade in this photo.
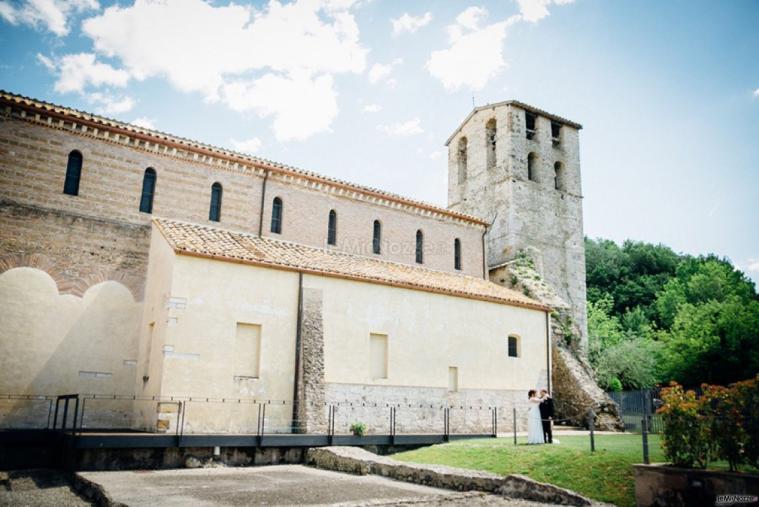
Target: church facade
(136, 263)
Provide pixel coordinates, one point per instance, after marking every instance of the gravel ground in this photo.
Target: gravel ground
(37, 488)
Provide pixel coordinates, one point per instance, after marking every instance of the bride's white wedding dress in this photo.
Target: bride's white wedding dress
(534, 424)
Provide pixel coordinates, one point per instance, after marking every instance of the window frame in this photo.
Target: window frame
(332, 228)
(419, 253)
(217, 194)
(73, 176)
(377, 237)
(147, 196)
(457, 254)
(516, 346)
(277, 215)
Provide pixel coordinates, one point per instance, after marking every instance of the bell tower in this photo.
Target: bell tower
(518, 167)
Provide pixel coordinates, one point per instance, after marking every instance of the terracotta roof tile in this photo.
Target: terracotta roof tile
(204, 241)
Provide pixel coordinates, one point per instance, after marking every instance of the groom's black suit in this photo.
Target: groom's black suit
(546, 411)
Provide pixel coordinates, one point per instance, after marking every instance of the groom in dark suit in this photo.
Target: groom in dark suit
(546, 414)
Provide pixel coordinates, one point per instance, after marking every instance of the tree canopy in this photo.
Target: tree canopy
(655, 316)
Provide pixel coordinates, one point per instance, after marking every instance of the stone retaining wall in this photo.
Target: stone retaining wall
(358, 461)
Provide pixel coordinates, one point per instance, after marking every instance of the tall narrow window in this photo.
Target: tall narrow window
(148, 190)
(457, 254)
(461, 156)
(214, 214)
(513, 346)
(532, 169)
(276, 216)
(73, 173)
(555, 133)
(419, 247)
(376, 237)
(332, 228)
(490, 142)
(529, 120)
(558, 179)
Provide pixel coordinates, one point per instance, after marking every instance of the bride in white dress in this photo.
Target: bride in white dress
(534, 424)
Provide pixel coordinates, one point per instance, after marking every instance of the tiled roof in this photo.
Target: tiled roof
(222, 153)
(211, 242)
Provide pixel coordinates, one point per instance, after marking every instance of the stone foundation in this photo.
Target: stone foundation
(421, 409)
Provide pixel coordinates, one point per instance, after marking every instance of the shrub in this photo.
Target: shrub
(358, 429)
(686, 431)
(615, 384)
(721, 424)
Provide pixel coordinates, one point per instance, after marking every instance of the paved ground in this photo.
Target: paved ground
(276, 485)
(37, 488)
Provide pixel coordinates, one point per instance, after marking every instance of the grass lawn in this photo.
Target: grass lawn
(604, 475)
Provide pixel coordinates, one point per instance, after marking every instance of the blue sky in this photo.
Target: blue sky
(368, 91)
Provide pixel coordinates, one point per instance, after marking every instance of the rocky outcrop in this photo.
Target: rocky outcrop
(575, 390)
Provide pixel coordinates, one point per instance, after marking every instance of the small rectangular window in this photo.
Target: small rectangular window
(453, 379)
(247, 350)
(378, 356)
(513, 346)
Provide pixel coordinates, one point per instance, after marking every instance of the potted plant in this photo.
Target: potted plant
(358, 429)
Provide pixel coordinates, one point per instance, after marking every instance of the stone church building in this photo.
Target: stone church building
(138, 264)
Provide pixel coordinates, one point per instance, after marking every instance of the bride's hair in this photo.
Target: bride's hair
(530, 393)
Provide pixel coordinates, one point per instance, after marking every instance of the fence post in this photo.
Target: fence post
(592, 426)
(644, 433)
(514, 420)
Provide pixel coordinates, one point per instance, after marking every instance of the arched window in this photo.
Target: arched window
(73, 173)
(148, 190)
(558, 179)
(376, 237)
(214, 214)
(457, 254)
(532, 167)
(513, 346)
(490, 142)
(461, 156)
(332, 228)
(276, 216)
(419, 247)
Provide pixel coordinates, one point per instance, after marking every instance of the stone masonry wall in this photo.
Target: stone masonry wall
(33, 158)
(421, 409)
(524, 213)
(311, 414)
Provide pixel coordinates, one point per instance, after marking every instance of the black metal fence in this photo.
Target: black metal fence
(634, 406)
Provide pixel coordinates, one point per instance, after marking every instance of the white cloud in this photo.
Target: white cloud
(756, 93)
(107, 104)
(381, 72)
(231, 52)
(437, 154)
(76, 71)
(301, 105)
(535, 10)
(753, 266)
(51, 15)
(48, 62)
(456, 67)
(406, 128)
(250, 146)
(409, 23)
(144, 122)
(371, 108)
